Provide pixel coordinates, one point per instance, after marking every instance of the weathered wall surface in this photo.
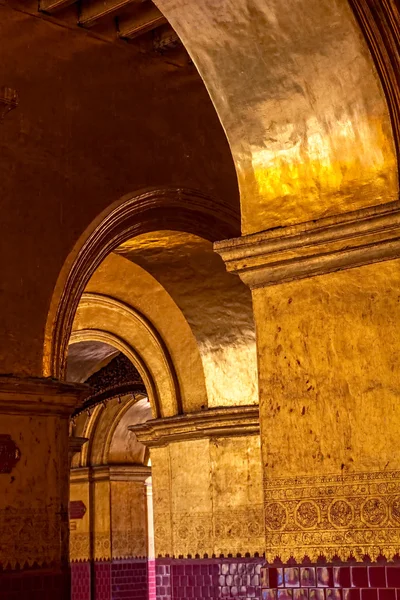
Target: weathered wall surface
(95, 121)
(329, 388)
(208, 497)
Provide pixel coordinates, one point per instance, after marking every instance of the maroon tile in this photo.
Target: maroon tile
(377, 577)
(387, 594)
(341, 577)
(369, 594)
(351, 594)
(359, 577)
(393, 576)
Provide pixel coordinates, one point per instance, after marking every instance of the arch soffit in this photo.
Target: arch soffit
(131, 333)
(177, 209)
(97, 335)
(297, 93)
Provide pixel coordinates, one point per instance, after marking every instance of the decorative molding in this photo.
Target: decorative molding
(336, 516)
(119, 377)
(314, 248)
(232, 531)
(137, 319)
(214, 422)
(137, 473)
(39, 396)
(9, 453)
(177, 209)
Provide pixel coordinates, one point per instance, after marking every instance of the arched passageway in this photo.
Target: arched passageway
(264, 395)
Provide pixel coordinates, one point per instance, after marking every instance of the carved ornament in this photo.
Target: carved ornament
(214, 422)
(343, 516)
(314, 248)
(118, 378)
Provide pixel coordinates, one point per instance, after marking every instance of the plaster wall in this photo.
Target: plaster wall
(95, 121)
(208, 497)
(329, 388)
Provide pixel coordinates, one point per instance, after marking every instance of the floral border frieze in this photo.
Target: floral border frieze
(353, 515)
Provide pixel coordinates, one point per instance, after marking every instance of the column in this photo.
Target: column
(34, 487)
(109, 532)
(151, 563)
(326, 299)
(207, 494)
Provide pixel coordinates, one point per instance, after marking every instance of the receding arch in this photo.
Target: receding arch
(168, 208)
(131, 332)
(97, 335)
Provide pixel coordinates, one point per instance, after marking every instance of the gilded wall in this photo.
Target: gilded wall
(208, 496)
(329, 387)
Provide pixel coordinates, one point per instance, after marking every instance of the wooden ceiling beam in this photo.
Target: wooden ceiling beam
(94, 10)
(146, 18)
(52, 6)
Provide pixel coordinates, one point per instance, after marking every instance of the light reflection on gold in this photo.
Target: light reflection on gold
(297, 93)
(216, 305)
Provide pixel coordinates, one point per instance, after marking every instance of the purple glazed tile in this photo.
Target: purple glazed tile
(300, 594)
(351, 594)
(324, 577)
(333, 594)
(285, 594)
(264, 577)
(268, 595)
(292, 577)
(307, 577)
(316, 594)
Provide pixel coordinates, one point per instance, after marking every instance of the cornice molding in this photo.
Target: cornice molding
(314, 248)
(136, 473)
(214, 422)
(31, 396)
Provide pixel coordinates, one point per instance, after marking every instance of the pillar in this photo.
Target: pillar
(207, 492)
(151, 565)
(109, 536)
(326, 298)
(34, 488)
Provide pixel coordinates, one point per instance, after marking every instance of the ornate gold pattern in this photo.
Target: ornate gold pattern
(355, 515)
(129, 543)
(29, 536)
(229, 531)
